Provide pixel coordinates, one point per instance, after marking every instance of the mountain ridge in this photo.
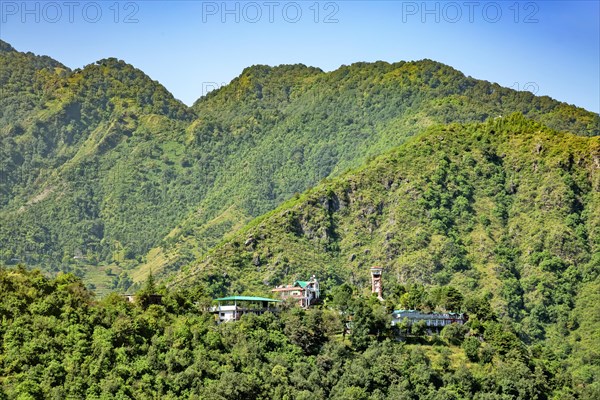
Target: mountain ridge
(106, 164)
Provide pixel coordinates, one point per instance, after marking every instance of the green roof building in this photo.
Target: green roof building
(306, 292)
(233, 307)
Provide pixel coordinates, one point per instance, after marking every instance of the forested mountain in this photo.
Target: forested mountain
(472, 197)
(507, 211)
(69, 162)
(105, 173)
(499, 220)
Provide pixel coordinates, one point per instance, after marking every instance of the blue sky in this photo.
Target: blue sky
(548, 47)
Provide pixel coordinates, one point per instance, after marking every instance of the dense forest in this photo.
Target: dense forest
(58, 342)
(106, 175)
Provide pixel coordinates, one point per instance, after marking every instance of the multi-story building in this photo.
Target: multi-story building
(306, 292)
(233, 307)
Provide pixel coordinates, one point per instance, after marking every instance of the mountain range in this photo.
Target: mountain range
(464, 192)
(106, 174)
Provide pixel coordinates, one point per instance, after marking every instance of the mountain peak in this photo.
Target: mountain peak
(263, 69)
(5, 47)
(123, 80)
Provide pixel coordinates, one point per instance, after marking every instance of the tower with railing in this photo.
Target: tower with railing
(376, 284)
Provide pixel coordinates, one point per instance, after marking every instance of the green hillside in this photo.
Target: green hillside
(499, 220)
(507, 210)
(460, 204)
(281, 130)
(70, 191)
(286, 128)
(473, 198)
(105, 174)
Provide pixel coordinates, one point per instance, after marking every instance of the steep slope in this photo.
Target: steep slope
(22, 79)
(68, 159)
(508, 210)
(281, 130)
(509, 207)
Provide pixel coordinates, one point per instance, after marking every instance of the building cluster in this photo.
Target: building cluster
(307, 293)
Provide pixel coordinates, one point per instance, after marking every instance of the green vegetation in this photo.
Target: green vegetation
(108, 181)
(504, 212)
(58, 342)
(102, 168)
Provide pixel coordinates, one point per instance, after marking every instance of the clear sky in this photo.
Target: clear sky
(548, 47)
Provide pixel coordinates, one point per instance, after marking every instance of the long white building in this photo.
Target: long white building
(432, 319)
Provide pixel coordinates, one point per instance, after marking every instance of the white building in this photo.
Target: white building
(432, 320)
(306, 292)
(232, 308)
